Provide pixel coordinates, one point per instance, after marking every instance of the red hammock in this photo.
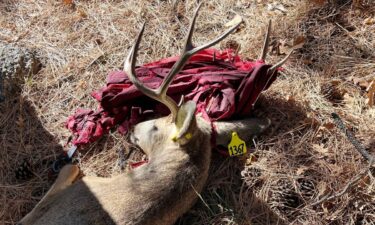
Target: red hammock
(221, 83)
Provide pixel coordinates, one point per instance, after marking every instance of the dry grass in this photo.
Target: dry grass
(80, 45)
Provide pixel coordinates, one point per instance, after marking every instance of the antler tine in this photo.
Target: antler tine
(263, 54)
(277, 65)
(129, 68)
(190, 50)
(272, 70)
(188, 43)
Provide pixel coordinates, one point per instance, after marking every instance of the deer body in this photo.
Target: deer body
(155, 193)
(178, 147)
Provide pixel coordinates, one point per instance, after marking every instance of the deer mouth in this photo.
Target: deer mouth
(136, 157)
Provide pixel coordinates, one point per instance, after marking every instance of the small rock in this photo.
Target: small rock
(15, 63)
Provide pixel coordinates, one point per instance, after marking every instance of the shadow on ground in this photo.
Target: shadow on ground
(27, 153)
(23, 139)
(228, 196)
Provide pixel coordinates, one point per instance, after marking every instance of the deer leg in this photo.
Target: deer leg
(246, 129)
(66, 177)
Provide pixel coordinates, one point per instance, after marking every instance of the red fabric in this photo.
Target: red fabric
(222, 84)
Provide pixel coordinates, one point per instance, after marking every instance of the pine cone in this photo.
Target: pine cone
(251, 175)
(251, 171)
(24, 171)
(284, 198)
(306, 188)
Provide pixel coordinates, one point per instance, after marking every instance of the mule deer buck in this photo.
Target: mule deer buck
(178, 148)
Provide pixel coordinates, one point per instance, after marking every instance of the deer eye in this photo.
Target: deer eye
(154, 128)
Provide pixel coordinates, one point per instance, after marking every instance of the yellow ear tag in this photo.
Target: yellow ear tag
(187, 136)
(236, 146)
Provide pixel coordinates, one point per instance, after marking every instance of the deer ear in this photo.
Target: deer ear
(185, 120)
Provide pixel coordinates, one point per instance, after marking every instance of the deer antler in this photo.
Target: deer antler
(160, 94)
(263, 54)
(266, 42)
(280, 63)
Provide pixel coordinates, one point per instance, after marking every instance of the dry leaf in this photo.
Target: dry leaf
(284, 48)
(290, 98)
(231, 44)
(312, 121)
(320, 148)
(335, 82)
(360, 205)
(307, 61)
(68, 2)
(277, 6)
(301, 170)
(333, 216)
(98, 41)
(329, 126)
(333, 91)
(349, 99)
(363, 82)
(323, 188)
(364, 182)
(82, 84)
(237, 19)
(369, 21)
(20, 122)
(82, 13)
(371, 94)
(298, 42)
(327, 206)
(251, 159)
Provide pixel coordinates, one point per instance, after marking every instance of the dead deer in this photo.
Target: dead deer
(178, 148)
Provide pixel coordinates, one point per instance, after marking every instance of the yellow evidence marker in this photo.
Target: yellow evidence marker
(236, 146)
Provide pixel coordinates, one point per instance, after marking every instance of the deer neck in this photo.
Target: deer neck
(176, 156)
(174, 161)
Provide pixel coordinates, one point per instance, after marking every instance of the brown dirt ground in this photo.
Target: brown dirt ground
(300, 159)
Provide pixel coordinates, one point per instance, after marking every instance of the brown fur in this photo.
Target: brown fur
(155, 193)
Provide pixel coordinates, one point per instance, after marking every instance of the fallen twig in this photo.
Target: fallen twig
(350, 184)
(359, 147)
